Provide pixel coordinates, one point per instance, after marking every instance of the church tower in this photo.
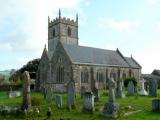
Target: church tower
(63, 29)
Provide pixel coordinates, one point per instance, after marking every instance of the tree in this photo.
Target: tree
(2, 79)
(31, 67)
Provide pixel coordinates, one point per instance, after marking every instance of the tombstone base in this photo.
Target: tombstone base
(143, 92)
(89, 110)
(120, 95)
(111, 110)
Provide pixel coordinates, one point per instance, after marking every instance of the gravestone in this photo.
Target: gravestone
(156, 105)
(131, 88)
(142, 91)
(71, 94)
(96, 94)
(94, 87)
(26, 104)
(59, 101)
(153, 88)
(89, 102)
(83, 90)
(13, 94)
(49, 94)
(111, 108)
(119, 90)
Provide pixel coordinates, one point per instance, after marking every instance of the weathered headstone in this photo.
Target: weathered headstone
(71, 93)
(111, 108)
(59, 101)
(119, 90)
(156, 105)
(89, 102)
(13, 94)
(153, 88)
(83, 90)
(131, 88)
(49, 94)
(96, 94)
(26, 104)
(142, 91)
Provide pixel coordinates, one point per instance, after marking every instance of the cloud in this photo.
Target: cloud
(24, 24)
(5, 46)
(149, 58)
(151, 2)
(124, 25)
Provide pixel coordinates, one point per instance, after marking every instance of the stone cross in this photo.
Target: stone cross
(89, 102)
(71, 93)
(131, 88)
(26, 104)
(153, 88)
(112, 86)
(111, 108)
(142, 91)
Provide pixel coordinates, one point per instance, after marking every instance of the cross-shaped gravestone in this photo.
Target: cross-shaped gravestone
(111, 108)
(26, 91)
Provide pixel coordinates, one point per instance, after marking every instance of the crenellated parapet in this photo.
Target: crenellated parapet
(63, 20)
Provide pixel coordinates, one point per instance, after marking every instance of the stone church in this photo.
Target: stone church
(65, 59)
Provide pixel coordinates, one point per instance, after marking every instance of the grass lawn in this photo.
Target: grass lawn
(137, 102)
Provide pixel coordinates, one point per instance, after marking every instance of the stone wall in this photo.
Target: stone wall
(107, 71)
(60, 55)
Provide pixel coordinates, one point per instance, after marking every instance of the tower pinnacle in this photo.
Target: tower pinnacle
(77, 17)
(59, 13)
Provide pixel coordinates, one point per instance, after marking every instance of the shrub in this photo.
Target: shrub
(126, 81)
(36, 101)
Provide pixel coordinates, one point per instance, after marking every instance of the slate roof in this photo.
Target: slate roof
(132, 62)
(96, 56)
(150, 76)
(156, 72)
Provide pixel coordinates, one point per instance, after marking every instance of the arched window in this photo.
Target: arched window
(69, 31)
(124, 76)
(113, 75)
(60, 74)
(84, 76)
(130, 73)
(100, 76)
(54, 32)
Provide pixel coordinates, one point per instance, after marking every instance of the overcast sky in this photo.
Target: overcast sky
(133, 26)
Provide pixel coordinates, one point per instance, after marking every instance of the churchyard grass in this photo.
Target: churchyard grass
(142, 103)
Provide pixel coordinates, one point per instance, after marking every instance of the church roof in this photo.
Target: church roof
(133, 63)
(150, 76)
(156, 72)
(96, 56)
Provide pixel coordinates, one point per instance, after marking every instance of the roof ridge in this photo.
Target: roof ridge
(90, 47)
